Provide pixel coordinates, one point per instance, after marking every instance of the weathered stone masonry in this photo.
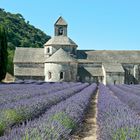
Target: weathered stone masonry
(60, 60)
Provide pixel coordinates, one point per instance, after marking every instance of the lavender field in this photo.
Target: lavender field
(118, 115)
(36, 110)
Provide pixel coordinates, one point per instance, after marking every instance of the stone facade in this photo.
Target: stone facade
(60, 60)
(60, 72)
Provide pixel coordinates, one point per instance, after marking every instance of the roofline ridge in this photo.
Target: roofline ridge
(60, 17)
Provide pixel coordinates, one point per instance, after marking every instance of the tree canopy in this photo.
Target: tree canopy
(3, 53)
(20, 33)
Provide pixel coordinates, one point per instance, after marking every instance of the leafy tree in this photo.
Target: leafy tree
(10, 65)
(20, 33)
(3, 53)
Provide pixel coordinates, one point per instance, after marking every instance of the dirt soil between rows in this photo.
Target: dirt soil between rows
(87, 131)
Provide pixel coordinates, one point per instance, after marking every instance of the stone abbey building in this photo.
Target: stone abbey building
(60, 60)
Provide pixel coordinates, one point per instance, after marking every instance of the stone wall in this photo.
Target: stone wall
(28, 69)
(132, 73)
(53, 70)
(114, 78)
(29, 78)
(88, 72)
(69, 49)
(104, 76)
(29, 65)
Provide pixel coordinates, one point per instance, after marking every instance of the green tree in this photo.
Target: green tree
(20, 34)
(3, 53)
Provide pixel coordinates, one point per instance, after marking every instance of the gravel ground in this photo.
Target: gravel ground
(87, 131)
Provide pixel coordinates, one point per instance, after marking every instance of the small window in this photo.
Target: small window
(129, 72)
(61, 75)
(48, 50)
(60, 31)
(73, 50)
(49, 75)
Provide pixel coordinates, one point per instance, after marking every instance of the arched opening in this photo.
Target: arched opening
(73, 51)
(48, 50)
(60, 31)
(49, 75)
(61, 75)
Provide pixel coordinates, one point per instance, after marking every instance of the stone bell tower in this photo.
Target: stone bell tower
(60, 27)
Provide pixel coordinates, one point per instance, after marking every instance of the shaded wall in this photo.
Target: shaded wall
(114, 78)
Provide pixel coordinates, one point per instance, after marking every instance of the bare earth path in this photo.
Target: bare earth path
(87, 131)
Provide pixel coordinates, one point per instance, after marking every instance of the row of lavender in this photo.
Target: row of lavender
(129, 95)
(28, 108)
(118, 112)
(61, 111)
(117, 119)
(15, 92)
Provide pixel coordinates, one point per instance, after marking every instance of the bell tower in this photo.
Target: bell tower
(60, 27)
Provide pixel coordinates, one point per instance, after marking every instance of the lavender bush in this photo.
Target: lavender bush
(127, 97)
(114, 119)
(25, 109)
(31, 91)
(130, 89)
(58, 122)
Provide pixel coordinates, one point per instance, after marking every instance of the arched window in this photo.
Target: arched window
(73, 50)
(61, 75)
(49, 75)
(48, 50)
(60, 31)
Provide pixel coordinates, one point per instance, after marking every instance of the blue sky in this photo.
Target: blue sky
(92, 24)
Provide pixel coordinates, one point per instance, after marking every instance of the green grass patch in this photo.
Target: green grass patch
(126, 133)
(2, 128)
(8, 118)
(64, 119)
(11, 115)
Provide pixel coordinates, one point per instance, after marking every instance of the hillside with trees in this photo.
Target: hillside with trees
(20, 34)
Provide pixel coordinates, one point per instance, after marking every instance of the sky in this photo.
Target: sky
(92, 24)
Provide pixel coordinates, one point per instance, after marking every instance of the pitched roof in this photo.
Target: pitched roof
(121, 56)
(60, 56)
(61, 21)
(29, 55)
(94, 71)
(60, 40)
(88, 71)
(113, 67)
